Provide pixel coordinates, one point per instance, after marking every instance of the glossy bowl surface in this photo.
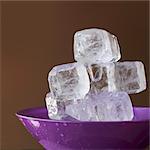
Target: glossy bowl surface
(75, 135)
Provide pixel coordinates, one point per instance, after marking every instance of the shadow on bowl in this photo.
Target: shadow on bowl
(75, 135)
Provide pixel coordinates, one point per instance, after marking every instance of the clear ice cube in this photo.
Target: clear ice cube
(106, 106)
(128, 76)
(79, 110)
(69, 82)
(95, 46)
(51, 105)
(56, 109)
(102, 77)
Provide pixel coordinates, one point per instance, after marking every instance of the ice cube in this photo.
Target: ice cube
(56, 109)
(102, 77)
(79, 110)
(51, 105)
(128, 76)
(113, 106)
(69, 82)
(106, 106)
(95, 46)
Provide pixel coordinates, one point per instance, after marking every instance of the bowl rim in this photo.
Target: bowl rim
(20, 115)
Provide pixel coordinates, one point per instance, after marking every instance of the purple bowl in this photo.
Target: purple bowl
(75, 135)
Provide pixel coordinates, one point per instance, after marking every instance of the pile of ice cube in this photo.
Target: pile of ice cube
(96, 87)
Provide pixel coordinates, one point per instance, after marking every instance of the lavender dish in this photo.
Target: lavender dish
(87, 135)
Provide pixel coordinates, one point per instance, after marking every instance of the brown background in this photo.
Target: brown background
(38, 35)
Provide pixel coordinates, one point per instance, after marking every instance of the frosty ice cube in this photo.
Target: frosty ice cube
(128, 76)
(69, 82)
(55, 109)
(79, 110)
(106, 106)
(95, 46)
(113, 106)
(102, 77)
(51, 105)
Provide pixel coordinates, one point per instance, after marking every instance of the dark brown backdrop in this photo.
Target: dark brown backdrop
(38, 35)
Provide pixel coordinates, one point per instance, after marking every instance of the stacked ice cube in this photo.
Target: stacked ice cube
(96, 87)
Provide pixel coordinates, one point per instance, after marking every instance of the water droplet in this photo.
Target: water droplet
(62, 135)
(57, 124)
(65, 124)
(57, 129)
(36, 134)
(35, 123)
